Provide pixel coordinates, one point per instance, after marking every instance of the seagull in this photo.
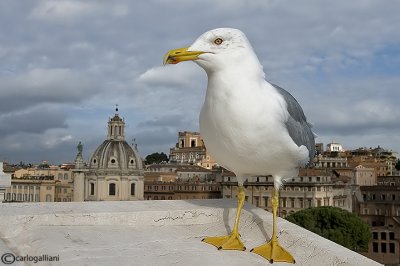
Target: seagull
(250, 126)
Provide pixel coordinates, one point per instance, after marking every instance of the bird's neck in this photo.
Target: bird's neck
(241, 66)
(236, 76)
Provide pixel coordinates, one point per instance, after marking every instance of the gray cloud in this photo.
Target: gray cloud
(176, 120)
(39, 86)
(33, 121)
(339, 59)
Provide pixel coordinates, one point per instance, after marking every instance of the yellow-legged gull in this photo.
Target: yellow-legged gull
(250, 126)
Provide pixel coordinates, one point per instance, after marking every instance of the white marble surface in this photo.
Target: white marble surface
(154, 233)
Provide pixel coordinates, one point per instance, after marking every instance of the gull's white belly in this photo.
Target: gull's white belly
(247, 139)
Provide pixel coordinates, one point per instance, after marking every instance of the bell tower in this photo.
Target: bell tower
(116, 127)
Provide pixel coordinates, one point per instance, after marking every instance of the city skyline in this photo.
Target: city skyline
(66, 64)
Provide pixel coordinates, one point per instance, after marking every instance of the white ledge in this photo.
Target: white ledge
(155, 233)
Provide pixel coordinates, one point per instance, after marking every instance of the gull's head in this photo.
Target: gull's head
(214, 49)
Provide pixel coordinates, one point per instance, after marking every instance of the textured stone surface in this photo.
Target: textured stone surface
(154, 233)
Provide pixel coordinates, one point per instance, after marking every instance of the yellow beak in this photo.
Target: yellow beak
(182, 54)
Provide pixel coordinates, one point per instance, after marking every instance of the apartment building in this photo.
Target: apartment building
(380, 208)
(312, 188)
(43, 183)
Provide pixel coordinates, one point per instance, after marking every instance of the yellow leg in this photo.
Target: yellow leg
(272, 250)
(231, 241)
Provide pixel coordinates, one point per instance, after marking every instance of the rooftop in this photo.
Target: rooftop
(155, 233)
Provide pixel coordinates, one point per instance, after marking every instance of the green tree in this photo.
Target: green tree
(156, 158)
(398, 165)
(335, 224)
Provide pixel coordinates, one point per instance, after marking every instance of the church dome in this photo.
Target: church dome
(115, 153)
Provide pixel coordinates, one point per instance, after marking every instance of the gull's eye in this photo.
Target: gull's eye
(218, 41)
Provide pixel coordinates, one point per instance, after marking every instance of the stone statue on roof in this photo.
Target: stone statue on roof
(80, 147)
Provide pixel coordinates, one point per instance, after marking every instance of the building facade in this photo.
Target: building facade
(43, 183)
(190, 150)
(182, 190)
(312, 188)
(334, 147)
(177, 181)
(380, 208)
(115, 169)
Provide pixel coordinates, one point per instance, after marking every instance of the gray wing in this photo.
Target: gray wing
(298, 127)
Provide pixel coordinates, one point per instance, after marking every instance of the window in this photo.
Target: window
(375, 247)
(112, 160)
(391, 248)
(91, 189)
(383, 235)
(111, 189)
(375, 235)
(326, 201)
(256, 201)
(48, 197)
(391, 235)
(283, 202)
(132, 189)
(383, 247)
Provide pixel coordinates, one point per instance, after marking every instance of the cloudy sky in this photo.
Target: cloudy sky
(65, 64)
